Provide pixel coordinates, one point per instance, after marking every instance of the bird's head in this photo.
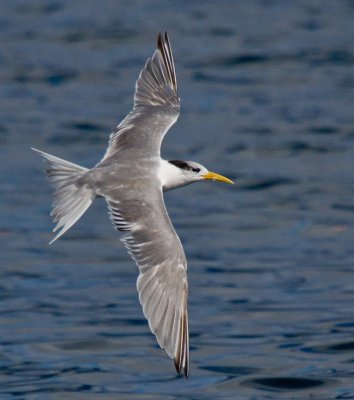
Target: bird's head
(182, 173)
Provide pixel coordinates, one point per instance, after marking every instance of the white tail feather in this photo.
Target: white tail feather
(71, 200)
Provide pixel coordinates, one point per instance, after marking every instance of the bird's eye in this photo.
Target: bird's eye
(196, 170)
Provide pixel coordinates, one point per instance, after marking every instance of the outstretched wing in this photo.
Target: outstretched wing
(156, 107)
(155, 247)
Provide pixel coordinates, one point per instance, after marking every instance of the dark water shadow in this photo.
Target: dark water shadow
(340, 347)
(230, 371)
(285, 383)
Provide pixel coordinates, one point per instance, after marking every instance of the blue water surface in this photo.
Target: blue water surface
(267, 91)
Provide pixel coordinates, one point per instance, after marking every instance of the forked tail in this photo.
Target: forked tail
(71, 199)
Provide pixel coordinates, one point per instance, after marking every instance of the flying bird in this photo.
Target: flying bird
(132, 177)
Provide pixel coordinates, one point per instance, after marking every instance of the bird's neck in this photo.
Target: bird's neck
(171, 177)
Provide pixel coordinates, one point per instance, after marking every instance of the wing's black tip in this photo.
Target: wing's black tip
(177, 365)
(179, 368)
(159, 40)
(181, 358)
(164, 46)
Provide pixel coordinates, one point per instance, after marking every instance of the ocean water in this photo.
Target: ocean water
(267, 91)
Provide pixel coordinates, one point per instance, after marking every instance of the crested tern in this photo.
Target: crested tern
(132, 178)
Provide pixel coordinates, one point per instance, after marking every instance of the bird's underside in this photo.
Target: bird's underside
(132, 177)
(135, 201)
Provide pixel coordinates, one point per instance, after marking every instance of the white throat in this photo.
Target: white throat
(172, 177)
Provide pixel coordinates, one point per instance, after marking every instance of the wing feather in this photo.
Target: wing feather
(156, 106)
(162, 283)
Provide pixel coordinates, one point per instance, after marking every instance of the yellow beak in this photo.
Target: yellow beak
(217, 177)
